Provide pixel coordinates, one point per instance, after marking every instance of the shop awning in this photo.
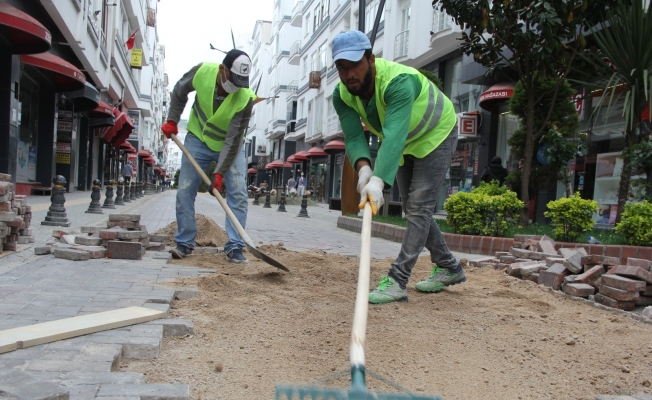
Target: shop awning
(499, 91)
(301, 155)
(275, 164)
(158, 170)
(127, 147)
(144, 153)
(21, 32)
(118, 122)
(149, 160)
(252, 171)
(103, 110)
(124, 131)
(334, 145)
(293, 159)
(66, 77)
(86, 98)
(316, 152)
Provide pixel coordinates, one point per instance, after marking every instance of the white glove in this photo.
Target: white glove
(373, 192)
(364, 175)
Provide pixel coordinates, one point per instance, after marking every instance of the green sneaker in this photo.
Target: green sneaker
(388, 291)
(440, 278)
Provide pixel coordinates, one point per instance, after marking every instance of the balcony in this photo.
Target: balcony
(292, 89)
(275, 129)
(97, 36)
(444, 34)
(401, 44)
(298, 132)
(295, 53)
(297, 15)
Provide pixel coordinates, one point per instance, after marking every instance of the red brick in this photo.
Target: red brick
(554, 260)
(124, 250)
(455, 242)
(645, 253)
(507, 259)
(647, 291)
(644, 301)
(590, 276)
(487, 245)
(448, 238)
(476, 244)
(507, 243)
(532, 244)
(546, 245)
(500, 266)
(6, 187)
(618, 294)
(622, 283)
(476, 262)
(609, 302)
(632, 272)
(534, 277)
(614, 251)
(553, 276)
(466, 243)
(579, 289)
(596, 249)
(604, 260)
(5, 206)
(58, 233)
(10, 246)
(123, 224)
(520, 253)
(638, 262)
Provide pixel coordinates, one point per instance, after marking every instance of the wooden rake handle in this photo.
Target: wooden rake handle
(359, 328)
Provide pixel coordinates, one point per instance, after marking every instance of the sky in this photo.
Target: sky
(186, 27)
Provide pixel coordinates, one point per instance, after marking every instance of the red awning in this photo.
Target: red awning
(275, 164)
(499, 91)
(149, 160)
(334, 145)
(124, 131)
(293, 159)
(143, 153)
(159, 170)
(252, 171)
(316, 152)
(112, 131)
(301, 155)
(130, 149)
(23, 33)
(102, 111)
(66, 76)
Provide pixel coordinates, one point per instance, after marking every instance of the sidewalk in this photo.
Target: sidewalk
(36, 289)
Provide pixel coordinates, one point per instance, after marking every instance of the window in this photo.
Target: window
(370, 15)
(307, 25)
(314, 61)
(405, 18)
(316, 19)
(319, 114)
(310, 118)
(305, 66)
(331, 107)
(322, 56)
(276, 46)
(301, 107)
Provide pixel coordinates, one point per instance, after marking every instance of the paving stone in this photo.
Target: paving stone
(618, 294)
(646, 292)
(123, 224)
(159, 238)
(590, 276)
(18, 385)
(68, 239)
(132, 235)
(23, 240)
(42, 250)
(630, 271)
(162, 255)
(579, 289)
(91, 229)
(174, 327)
(186, 293)
(553, 277)
(141, 348)
(508, 259)
(644, 301)
(638, 262)
(124, 217)
(70, 254)
(567, 252)
(155, 391)
(7, 216)
(604, 260)
(613, 303)
(574, 263)
(520, 253)
(647, 312)
(620, 282)
(124, 250)
(155, 246)
(88, 240)
(94, 252)
(90, 377)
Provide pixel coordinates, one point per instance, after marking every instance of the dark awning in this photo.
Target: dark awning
(498, 92)
(86, 98)
(21, 32)
(334, 145)
(66, 77)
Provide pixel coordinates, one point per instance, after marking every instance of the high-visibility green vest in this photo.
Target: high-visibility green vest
(433, 115)
(209, 125)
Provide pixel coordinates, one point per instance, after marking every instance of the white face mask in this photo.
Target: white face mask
(228, 86)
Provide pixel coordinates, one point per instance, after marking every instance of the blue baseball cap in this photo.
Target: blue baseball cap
(350, 46)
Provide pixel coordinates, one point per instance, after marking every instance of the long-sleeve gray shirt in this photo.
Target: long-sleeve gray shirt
(237, 127)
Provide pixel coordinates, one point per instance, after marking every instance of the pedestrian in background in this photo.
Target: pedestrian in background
(127, 171)
(494, 171)
(301, 186)
(291, 184)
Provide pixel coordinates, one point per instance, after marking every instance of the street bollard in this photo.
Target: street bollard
(119, 194)
(108, 201)
(139, 190)
(96, 207)
(304, 207)
(267, 204)
(127, 196)
(255, 202)
(281, 204)
(57, 214)
(132, 194)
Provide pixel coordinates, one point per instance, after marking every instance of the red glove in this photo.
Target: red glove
(169, 128)
(218, 182)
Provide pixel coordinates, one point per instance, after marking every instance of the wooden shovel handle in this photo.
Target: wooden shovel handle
(359, 329)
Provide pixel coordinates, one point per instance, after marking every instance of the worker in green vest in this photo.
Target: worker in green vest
(218, 119)
(414, 123)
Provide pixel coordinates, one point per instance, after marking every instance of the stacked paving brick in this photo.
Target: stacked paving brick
(123, 238)
(15, 216)
(602, 279)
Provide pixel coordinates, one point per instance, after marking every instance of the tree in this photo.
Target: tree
(624, 59)
(529, 38)
(432, 78)
(559, 141)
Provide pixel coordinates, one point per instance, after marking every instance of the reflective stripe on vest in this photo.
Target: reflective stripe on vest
(433, 112)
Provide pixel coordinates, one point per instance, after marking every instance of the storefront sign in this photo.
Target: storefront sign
(64, 126)
(62, 155)
(468, 125)
(578, 99)
(137, 58)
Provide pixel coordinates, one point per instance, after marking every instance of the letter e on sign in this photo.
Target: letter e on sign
(468, 125)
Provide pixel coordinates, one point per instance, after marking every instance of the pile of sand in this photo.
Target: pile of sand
(209, 234)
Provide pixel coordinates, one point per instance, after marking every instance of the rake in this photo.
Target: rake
(358, 389)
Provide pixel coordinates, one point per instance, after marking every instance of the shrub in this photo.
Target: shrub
(636, 224)
(487, 210)
(571, 216)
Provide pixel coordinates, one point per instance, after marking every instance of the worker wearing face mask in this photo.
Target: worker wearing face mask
(219, 117)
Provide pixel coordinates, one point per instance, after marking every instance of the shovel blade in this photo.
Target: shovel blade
(264, 257)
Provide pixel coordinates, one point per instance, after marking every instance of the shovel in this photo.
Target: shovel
(250, 244)
(358, 389)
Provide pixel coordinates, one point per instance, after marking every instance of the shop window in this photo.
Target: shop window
(27, 130)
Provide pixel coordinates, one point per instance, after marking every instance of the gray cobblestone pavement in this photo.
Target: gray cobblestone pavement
(36, 289)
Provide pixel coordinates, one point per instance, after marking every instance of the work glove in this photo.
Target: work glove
(364, 175)
(217, 184)
(169, 128)
(373, 192)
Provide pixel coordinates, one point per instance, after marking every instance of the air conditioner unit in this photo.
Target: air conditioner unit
(261, 149)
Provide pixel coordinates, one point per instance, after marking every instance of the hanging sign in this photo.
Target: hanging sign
(137, 58)
(62, 155)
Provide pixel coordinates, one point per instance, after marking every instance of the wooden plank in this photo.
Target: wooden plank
(46, 332)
